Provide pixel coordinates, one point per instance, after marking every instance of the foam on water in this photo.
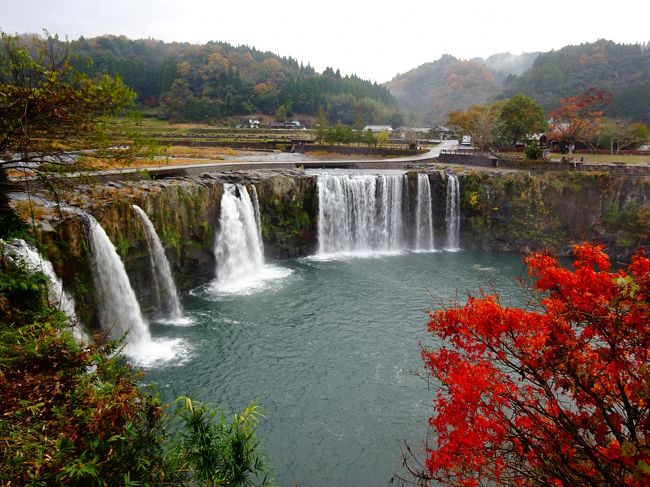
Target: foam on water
(119, 310)
(158, 352)
(239, 250)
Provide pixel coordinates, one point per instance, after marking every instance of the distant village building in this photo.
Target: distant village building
(253, 123)
(440, 132)
(287, 124)
(412, 133)
(378, 128)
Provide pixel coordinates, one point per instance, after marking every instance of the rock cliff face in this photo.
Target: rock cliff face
(289, 216)
(551, 211)
(510, 211)
(185, 214)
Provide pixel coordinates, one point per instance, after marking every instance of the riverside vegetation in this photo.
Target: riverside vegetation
(75, 414)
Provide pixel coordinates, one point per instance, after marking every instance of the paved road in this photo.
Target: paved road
(291, 162)
(279, 161)
(444, 145)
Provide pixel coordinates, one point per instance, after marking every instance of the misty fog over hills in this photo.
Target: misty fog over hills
(432, 90)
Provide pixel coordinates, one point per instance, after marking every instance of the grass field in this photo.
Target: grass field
(597, 158)
(162, 128)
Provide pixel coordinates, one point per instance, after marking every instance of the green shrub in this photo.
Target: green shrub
(532, 150)
(214, 450)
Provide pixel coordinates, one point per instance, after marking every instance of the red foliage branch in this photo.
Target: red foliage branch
(555, 395)
(577, 117)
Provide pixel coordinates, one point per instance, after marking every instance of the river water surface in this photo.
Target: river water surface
(328, 351)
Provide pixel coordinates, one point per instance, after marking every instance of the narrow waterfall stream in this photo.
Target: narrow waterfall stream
(19, 249)
(453, 213)
(424, 216)
(119, 311)
(165, 290)
(258, 218)
(238, 250)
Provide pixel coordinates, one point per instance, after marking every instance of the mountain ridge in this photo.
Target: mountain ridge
(198, 82)
(433, 89)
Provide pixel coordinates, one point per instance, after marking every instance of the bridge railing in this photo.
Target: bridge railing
(468, 152)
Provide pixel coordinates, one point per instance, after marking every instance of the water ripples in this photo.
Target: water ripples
(328, 352)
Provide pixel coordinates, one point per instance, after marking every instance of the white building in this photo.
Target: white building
(378, 128)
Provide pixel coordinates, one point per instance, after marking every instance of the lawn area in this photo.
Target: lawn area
(214, 153)
(598, 158)
(162, 128)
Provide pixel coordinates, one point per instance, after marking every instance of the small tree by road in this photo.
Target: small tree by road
(578, 117)
(521, 116)
(382, 139)
(481, 122)
(617, 134)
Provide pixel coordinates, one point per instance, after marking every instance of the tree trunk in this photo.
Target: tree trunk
(9, 221)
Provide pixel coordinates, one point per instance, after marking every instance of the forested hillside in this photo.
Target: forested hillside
(434, 89)
(623, 70)
(207, 82)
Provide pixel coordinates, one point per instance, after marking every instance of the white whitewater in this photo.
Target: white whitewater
(239, 251)
(57, 296)
(424, 216)
(164, 287)
(360, 214)
(119, 311)
(452, 217)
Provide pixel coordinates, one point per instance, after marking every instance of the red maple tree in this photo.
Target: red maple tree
(577, 118)
(553, 395)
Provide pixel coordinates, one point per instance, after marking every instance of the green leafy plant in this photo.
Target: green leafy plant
(213, 449)
(532, 150)
(76, 414)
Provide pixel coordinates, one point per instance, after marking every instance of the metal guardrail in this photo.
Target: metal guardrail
(469, 152)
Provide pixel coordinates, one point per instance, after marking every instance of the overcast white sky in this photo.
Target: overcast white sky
(373, 39)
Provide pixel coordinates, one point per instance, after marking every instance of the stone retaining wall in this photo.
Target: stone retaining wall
(619, 168)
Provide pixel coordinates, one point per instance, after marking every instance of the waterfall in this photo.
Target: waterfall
(163, 282)
(119, 311)
(239, 251)
(424, 216)
(57, 296)
(452, 217)
(360, 214)
(256, 208)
